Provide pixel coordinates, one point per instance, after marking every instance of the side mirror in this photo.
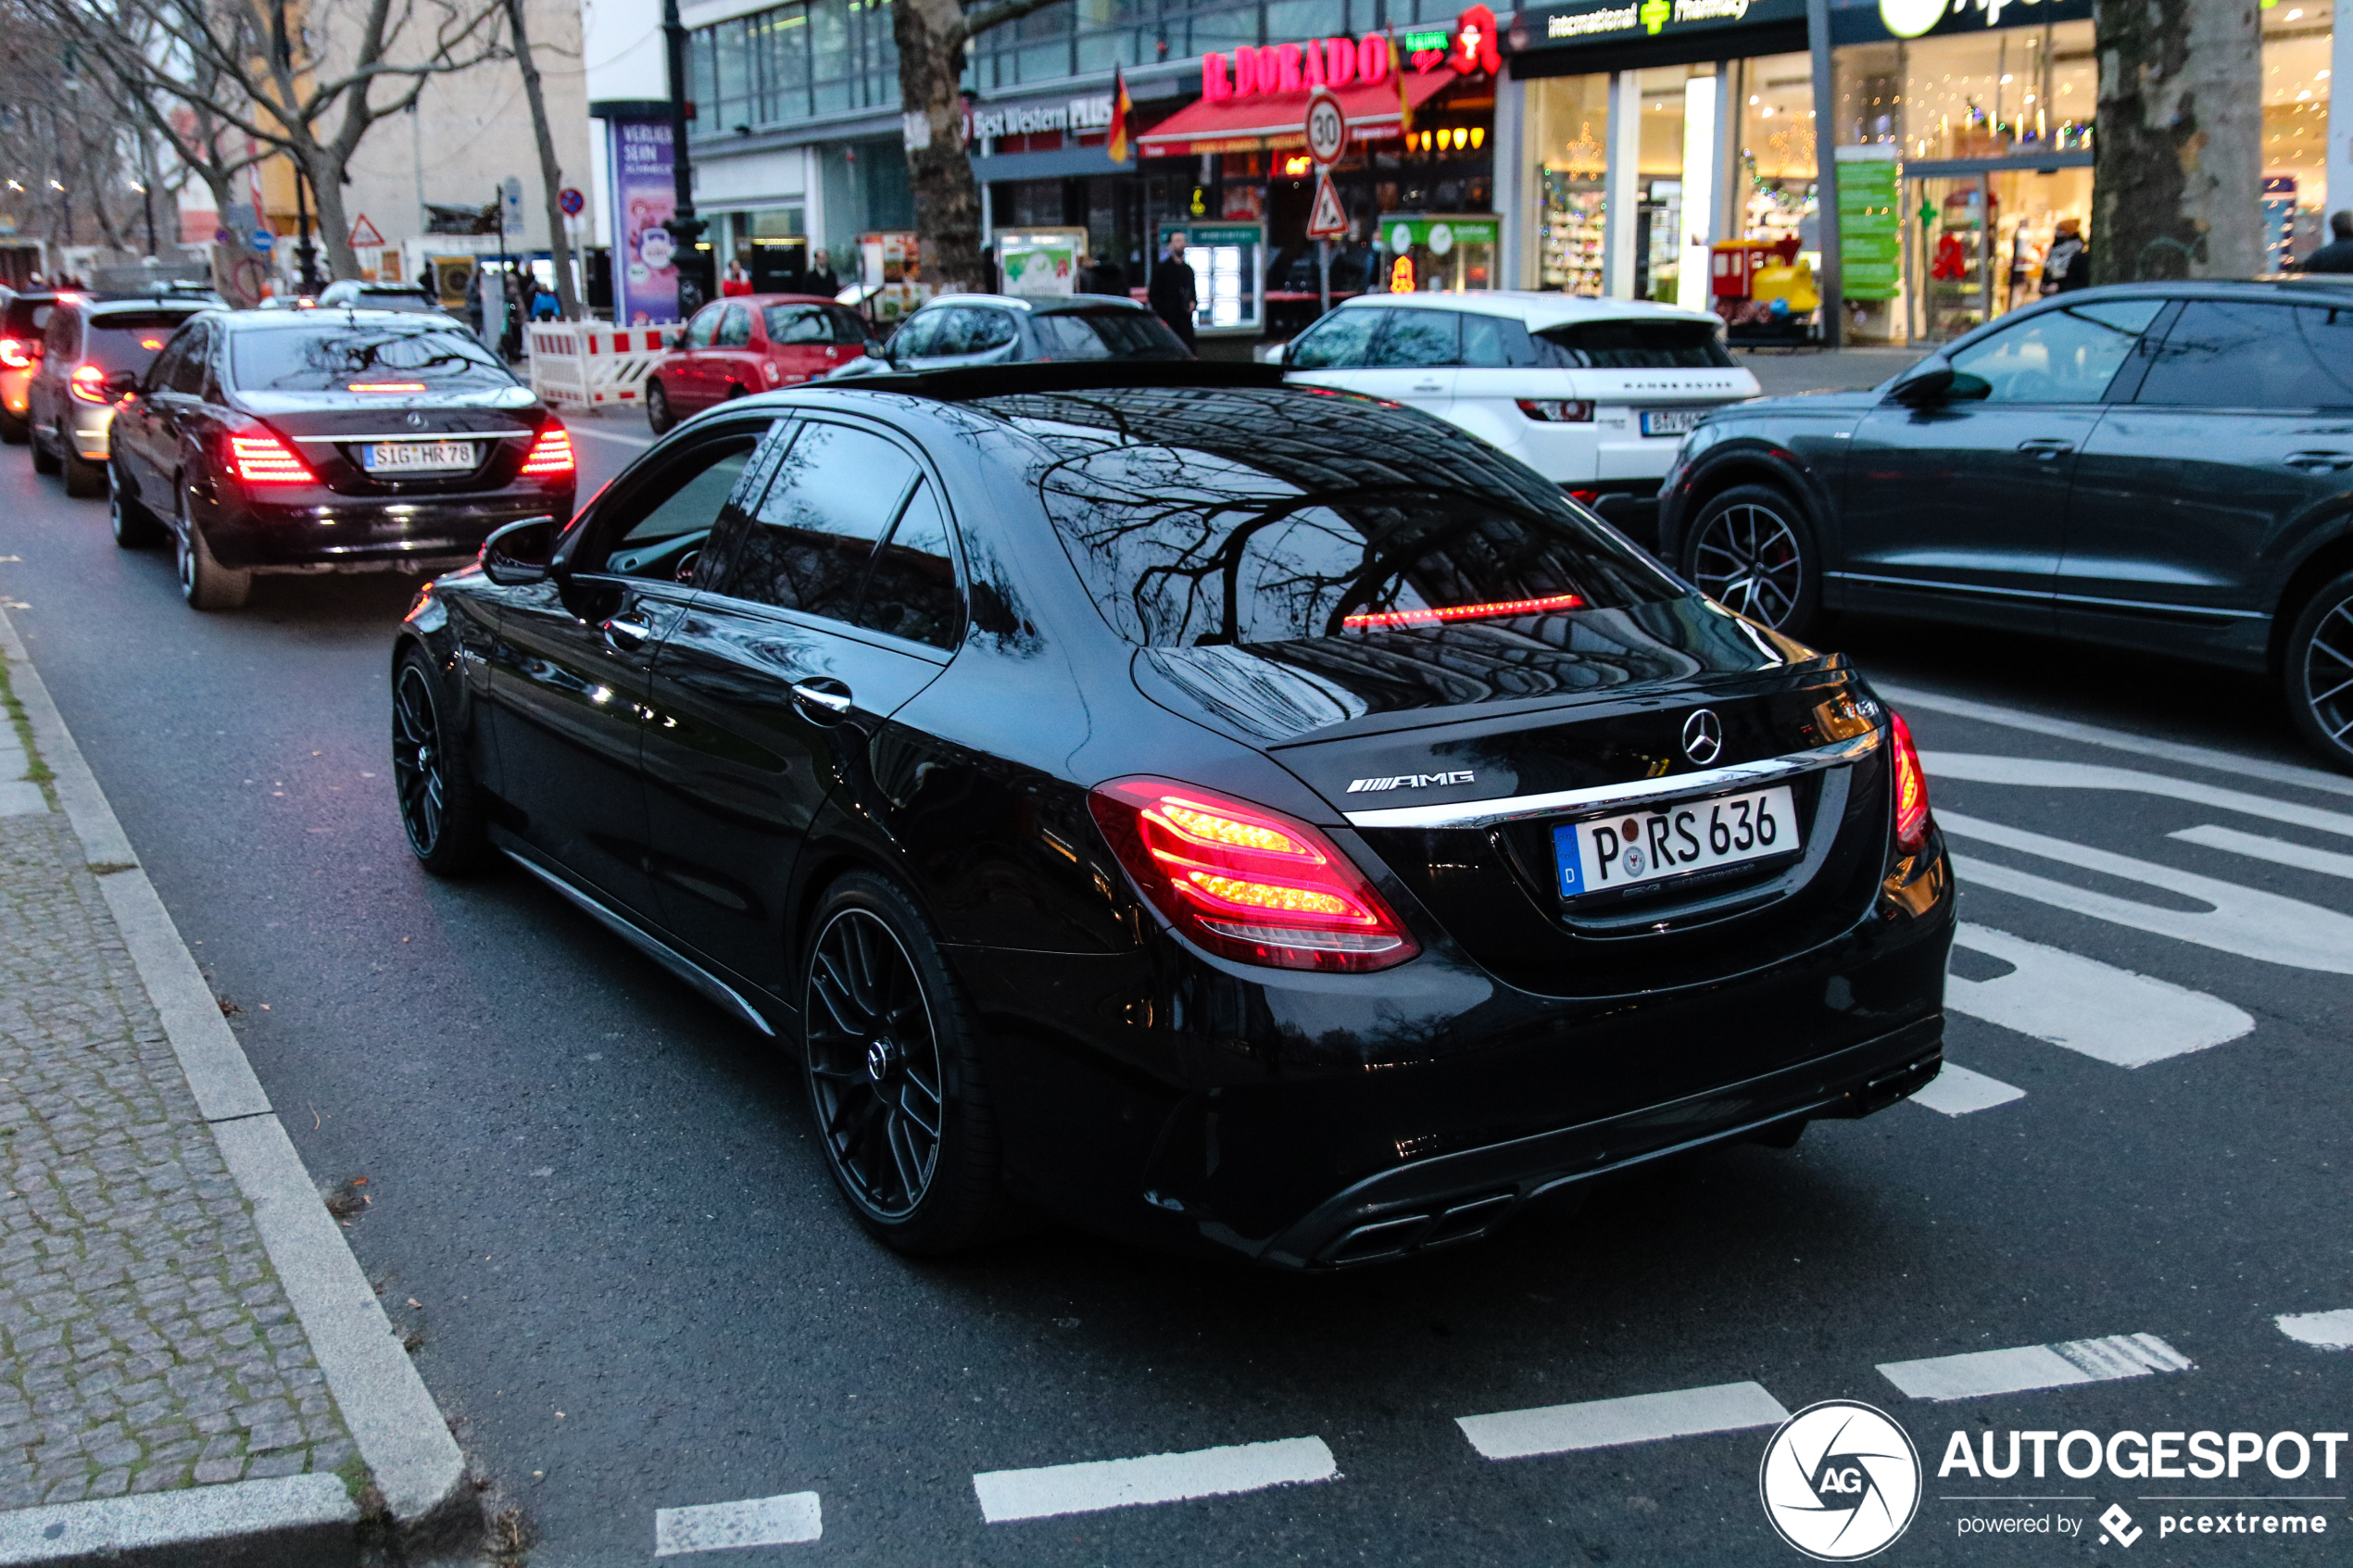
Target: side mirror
(121, 384)
(517, 555)
(1924, 387)
(875, 349)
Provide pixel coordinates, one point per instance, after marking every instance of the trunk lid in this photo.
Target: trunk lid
(332, 429)
(1454, 753)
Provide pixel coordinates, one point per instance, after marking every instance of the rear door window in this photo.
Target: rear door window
(991, 329)
(735, 329)
(1497, 342)
(911, 591)
(1413, 338)
(189, 355)
(2228, 355)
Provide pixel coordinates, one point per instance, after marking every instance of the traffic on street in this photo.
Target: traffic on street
(1132, 964)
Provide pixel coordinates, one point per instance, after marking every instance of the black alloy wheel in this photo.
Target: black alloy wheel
(893, 1079)
(1751, 551)
(439, 808)
(657, 412)
(2318, 672)
(134, 526)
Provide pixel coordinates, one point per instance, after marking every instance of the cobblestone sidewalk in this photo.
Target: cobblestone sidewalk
(145, 1343)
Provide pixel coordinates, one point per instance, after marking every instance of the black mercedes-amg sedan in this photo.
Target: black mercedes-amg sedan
(2155, 466)
(327, 441)
(1265, 820)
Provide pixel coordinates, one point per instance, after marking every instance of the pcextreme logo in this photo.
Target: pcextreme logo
(1840, 1481)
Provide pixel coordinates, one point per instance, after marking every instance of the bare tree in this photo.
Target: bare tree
(551, 178)
(931, 35)
(2178, 172)
(309, 82)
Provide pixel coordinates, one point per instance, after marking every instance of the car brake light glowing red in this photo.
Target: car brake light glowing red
(265, 459)
(1466, 612)
(550, 455)
(1247, 883)
(13, 353)
(1911, 791)
(89, 383)
(386, 387)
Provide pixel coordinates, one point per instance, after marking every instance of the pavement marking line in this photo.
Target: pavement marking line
(2244, 920)
(2083, 1005)
(1609, 1424)
(2330, 1331)
(1977, 1373)
(2035, 774)
(1957, 1091)
(2255, 847)
(2120, 740)
(1091, 1487)
(788, 1520)
(611, 435)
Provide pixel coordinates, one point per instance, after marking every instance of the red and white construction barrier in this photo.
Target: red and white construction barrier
(591, 364)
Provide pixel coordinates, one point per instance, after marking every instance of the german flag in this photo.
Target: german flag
(1120, 106)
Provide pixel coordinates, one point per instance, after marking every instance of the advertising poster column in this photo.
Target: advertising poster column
(645, 195)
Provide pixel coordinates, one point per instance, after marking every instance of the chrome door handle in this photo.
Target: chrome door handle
(2316, 460)
(627, 634)
(1429, 386)
(832, 704)
(2046, 447)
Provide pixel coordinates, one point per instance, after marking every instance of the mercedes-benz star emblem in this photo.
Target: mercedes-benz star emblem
(415, 420)
(1703, 737)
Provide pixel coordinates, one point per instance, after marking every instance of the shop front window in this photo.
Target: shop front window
(2296, 126)
(1777, 168)
(1569, 117)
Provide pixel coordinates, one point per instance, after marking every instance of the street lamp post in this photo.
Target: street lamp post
(686, 229)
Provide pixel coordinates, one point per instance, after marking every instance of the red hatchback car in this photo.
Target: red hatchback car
(753, 343)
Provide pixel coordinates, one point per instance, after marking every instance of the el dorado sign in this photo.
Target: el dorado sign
(1468, 48)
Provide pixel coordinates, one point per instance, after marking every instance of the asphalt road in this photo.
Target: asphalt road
(599, 1200)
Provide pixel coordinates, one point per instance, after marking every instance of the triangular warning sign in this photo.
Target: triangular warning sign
(363, 234)
(1327, 217)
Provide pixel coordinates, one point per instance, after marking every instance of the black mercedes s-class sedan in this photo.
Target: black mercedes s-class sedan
(2156, 466)
(327, 441)
(1264, 820)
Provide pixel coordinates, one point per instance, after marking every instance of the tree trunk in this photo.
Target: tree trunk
(325, 170)
(551, 178)
(2178, 181)
(931, 35)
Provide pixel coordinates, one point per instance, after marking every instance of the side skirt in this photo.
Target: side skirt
(653, 947)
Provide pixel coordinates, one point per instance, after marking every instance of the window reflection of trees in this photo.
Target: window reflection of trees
(813, 533)
(300, 361)
(1241, 517)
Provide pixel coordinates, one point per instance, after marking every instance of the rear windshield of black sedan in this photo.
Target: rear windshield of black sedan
(1186, 544)
(334, 357)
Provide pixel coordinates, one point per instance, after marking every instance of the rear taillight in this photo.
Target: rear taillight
(89, 383)
(15, 353)
(550, 453)
(1247, 883)
(1911, 791)
(265, 459)
(1555, 410)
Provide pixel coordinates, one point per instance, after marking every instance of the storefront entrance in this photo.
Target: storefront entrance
(1979, 235)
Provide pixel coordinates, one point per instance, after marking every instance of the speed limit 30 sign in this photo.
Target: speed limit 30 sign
(1327, 127)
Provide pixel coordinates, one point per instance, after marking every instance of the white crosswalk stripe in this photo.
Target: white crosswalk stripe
(2329, 1331)
(1957, 1091)
(793, 1519)
(2035, 771)
(1007, 1494)
(2112, 1014)
(1639, 1418)
(2279, 851)
(1976, 1373)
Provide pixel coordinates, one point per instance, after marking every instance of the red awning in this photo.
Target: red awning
(1278, 119)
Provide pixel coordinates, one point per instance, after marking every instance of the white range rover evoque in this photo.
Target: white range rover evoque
(1595, 395)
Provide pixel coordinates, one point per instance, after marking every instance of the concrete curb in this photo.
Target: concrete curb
(399, 1431)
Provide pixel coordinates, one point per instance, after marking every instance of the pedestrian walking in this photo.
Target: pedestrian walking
(734, 284)
(1171, 290)
(2067, 266)
(2337, 255)
(822, 280)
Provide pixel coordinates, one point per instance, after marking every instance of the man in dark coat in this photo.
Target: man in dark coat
(2067, 266)
(2337, 255)
(1170, 294)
